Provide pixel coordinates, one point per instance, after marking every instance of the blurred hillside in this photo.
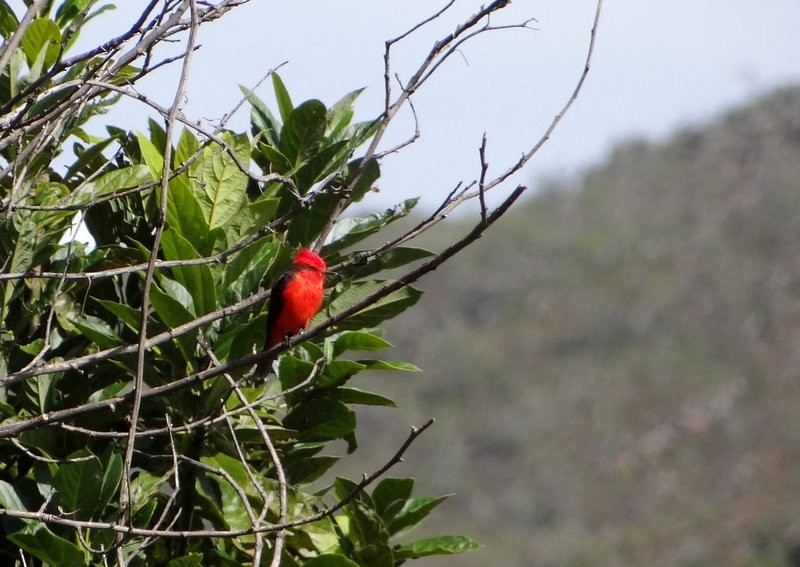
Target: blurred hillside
(615, 370)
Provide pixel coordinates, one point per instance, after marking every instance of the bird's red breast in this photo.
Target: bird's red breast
(295, 297)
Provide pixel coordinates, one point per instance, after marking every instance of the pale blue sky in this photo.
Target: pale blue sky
(658, 65)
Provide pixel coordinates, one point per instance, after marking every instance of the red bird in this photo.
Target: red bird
(294, 300)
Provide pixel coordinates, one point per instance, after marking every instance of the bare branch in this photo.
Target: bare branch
(126, 513)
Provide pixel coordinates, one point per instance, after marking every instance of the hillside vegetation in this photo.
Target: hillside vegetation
(615, 371)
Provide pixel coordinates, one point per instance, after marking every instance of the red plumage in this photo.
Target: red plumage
(294, 300)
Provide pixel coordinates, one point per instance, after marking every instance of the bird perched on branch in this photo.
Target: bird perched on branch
(294, 300)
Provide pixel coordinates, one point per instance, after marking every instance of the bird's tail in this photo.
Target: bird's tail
(265, 366)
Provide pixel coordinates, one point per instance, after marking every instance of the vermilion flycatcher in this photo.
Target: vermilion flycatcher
(293, 301)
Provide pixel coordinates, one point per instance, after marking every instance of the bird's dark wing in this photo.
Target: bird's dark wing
(276, 299)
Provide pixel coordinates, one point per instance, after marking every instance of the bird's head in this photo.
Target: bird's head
(311, 259)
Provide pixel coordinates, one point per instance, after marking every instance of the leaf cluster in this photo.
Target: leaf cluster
(237, 466)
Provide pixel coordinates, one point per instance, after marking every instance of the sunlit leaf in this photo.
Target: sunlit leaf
(285, 105)
(219, 182)
(337, 372)
(399, 365)
(357, 340)
(442, 545)
(151, 155)
(42, 39)
(361, 397)
(388, 260)
(379, 311)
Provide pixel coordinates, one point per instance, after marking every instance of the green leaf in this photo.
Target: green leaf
(307, 469)
(330, 560)
(220, 185)
(261, 119)
(303, 131)
(114, 181)
(367, 176)
(77, 483)
(230, 503)
(442, 545)
(275, 160)
(385, 308)
(338, 372)
(388, 260)
(43, 544)
(357, 340)
(145, 487)
(341, 113)
(174, 306)
(71, 9)
(8, 20)
(285, 105)
(10, 497)
(127, 314)
(24, 247)
(238, 338)
(184, 213)
(42, 40)
(390, 496)
(108, 392)
(414, 511)
(88, 157)
(33, 348)
(246, 269)
(158, 136)
(348, 231)
(144, 513)
(230, 465)
(320, 165)
(97, 330)
(43, 390)
(293, 371)
(307, 223)
(197, 279)
(151, 155)
(112, 477)
(367, 531)
(321, 419)
(400, 365)
(362, 397)
(187, 148)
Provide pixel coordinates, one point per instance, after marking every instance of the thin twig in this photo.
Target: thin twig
(126, 509)
(482, 179)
